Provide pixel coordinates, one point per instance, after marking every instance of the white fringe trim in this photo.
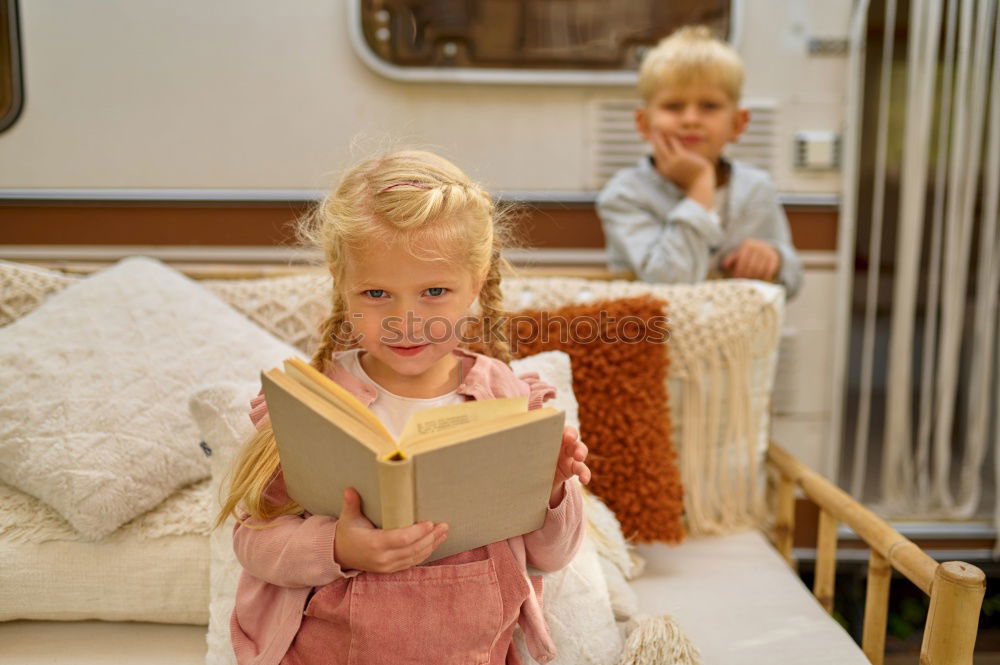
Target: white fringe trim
(658, 641)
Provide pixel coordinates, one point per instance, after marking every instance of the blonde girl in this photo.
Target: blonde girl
(411, 243)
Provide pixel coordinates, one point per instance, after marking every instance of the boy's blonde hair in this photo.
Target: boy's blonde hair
(421, 200)
(691, 54)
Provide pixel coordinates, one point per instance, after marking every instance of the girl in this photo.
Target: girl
(411, 243)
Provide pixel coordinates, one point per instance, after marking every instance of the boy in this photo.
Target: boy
(684, 213)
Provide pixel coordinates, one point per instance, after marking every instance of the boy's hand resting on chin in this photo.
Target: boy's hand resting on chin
(570, 463)
(360, 545)
(685, 168)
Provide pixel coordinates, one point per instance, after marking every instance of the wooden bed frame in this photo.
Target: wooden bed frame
(956, 589)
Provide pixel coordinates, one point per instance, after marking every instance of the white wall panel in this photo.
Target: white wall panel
(264, 94)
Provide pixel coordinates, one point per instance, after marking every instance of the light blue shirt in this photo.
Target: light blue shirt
(654, 230)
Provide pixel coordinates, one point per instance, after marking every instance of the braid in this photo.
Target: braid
(493, 316)
(258, 460)
(333, 331)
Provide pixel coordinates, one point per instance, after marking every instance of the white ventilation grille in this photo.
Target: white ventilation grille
(615, 143)
(758, 144)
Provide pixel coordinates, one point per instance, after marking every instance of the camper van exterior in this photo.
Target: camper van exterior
(257, 104)
(195, 131)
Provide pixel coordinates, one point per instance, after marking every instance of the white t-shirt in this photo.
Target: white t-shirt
(719, 201)
(394, 410)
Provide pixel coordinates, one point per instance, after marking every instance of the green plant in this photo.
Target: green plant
(908, 617)
(991, 605)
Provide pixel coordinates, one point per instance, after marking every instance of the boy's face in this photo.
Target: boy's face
(701, 116)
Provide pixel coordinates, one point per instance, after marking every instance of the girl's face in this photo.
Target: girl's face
(409, 314)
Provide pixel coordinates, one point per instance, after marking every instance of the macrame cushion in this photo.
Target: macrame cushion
(723, 348)
(620, 387)
(290, 308)
(723, 351)
(90, 384)
(24, 287)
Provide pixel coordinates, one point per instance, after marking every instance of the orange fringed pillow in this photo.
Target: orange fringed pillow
(619, 362)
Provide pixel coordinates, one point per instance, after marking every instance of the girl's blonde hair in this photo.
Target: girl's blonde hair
(413, 197)
(691, 54)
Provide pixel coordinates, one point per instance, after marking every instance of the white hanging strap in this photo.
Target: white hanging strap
(861, 431)
(897, 464)
(981, 370)
(932, 312)
(996, 438)
(965, 166)
(846, 236)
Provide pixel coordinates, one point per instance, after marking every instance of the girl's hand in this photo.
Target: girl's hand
(570, 463)
(685, 168)
(359, 545)
(754, 259)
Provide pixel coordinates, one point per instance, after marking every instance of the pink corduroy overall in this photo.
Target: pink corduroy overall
(460, 610)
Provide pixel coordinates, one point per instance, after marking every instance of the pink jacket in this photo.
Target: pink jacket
(283, 562)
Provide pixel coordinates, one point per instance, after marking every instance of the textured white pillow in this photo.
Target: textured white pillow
(221, 413)
(94, 387)
(618, 560)
(580, 601)
(577, 605)
(555, 368)
(578, 611)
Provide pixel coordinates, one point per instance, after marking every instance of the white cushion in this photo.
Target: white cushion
(617, 558)
(578, 612)
(221, 413)
(100, 643)
(577, 605)
(155, 568)
(556, 369)
(740, 603)
(291, 307)
(94, 387)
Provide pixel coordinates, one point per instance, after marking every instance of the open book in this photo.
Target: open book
(484, 467)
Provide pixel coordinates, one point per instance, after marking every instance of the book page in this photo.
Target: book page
(322, 450)
(432, 422)
(323, 386)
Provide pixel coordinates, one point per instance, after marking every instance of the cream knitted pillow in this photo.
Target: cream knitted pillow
(94, 385)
